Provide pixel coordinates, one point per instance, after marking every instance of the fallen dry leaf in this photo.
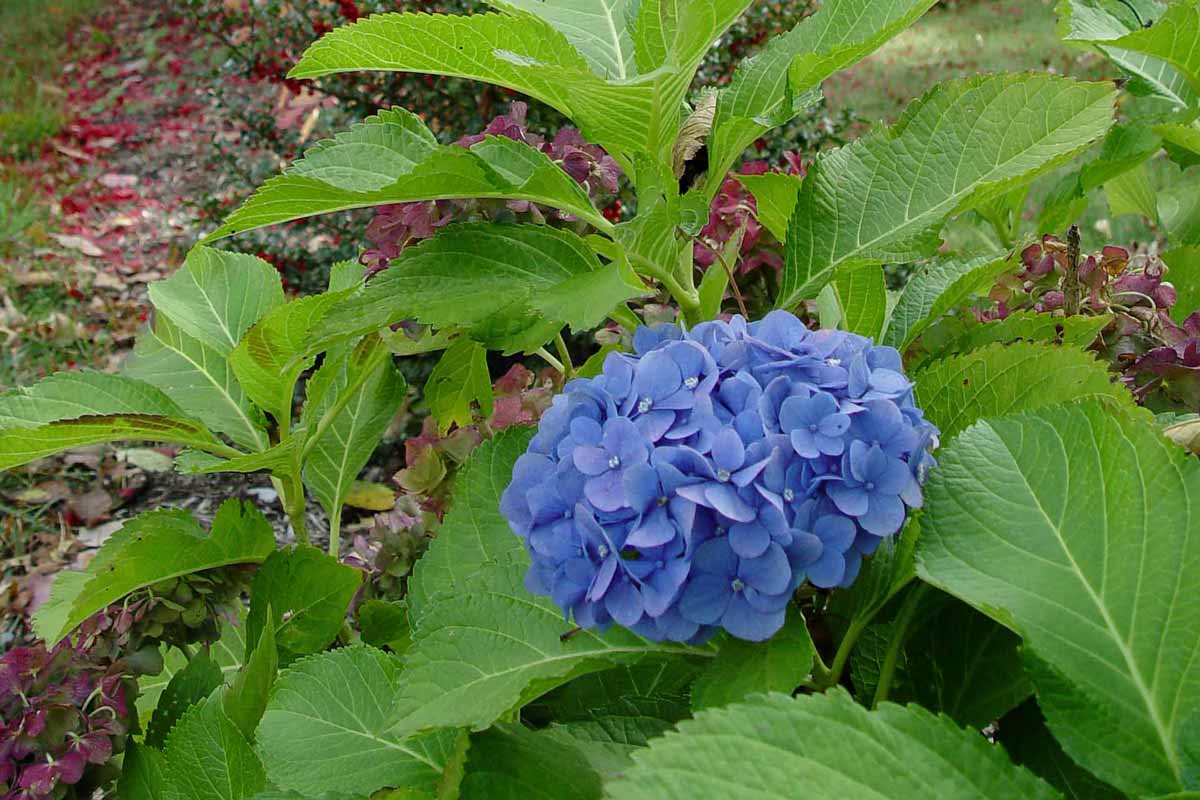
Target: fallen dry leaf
(83, 245)
(91, 507)
(370, 496)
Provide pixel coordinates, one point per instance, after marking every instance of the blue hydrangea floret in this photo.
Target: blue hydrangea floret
(695, 484)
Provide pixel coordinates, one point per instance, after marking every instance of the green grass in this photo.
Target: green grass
(954, 41)
(32, 45)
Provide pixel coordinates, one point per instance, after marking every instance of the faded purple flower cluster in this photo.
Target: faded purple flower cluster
(63, 713)
(696, 484)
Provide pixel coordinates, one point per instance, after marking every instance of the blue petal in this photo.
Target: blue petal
(591, 460)
(585, 430)
(828, 570)
(853, 564)
(770, 573)
(603, 579)
(836, 531)
(724, 498)
(884, 516)
(804, 443)
(850, 500)
(705, 599)
(728, 452)
(715, 557)
(642, 487)
(741, 620)
(624, 603)
(623, 439)
(606, 492)
(749, 539)
(656, 529)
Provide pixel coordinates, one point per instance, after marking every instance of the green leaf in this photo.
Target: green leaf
(1179, 209)
(189, 686)
(1082, 513)
(775, 197)
(142, 773)
(885, 196)
(598, 29)
(862, 296)
(394, 158)
(495, 647)
(964, 665)
(279, 459)
(72, 409)
(155, 546)
(324, 729)
(772, 87)
(1126, 147)
(823, 746)
(654, 689)
(207, 758)
(743, 668)
(1024, 734)
(1172, 39)
(1088, 22)
(474, 533)
(1005, 379)
(519, 52)
(469, 274)
(889, 569)
(216, 296)
(1031, 326)
(1182, 142)
(307, 593)
(199, 378)
(246, 699)
(937, 288)
(459, 379)
(609, 744)
(1184, 274)
(680, 32)
(268, 360)
(385, 623)
(343, 447)
(511, 762)
(1132, 193)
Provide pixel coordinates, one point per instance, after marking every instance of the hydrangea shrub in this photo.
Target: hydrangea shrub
(735, 554)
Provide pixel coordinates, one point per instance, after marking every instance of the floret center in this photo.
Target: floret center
(691, 382)
(723, 475)
(737, 585)
(645, 404)
(614, 462)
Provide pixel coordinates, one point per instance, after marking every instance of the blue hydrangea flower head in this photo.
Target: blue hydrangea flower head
(696, 483)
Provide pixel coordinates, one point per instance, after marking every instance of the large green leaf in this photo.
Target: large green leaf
(1073, 526)
(394, 158)
(307, 593)
(770, 88)
(966, 334)
(512, 762)
(495, 647)
(1120, 36)
(965, 665)
(152, 547)
(72, 409)
(207, 758)
(885, 196)
(598, 29)
(246, 699)
(474, 533)
(324, 729)
(142, 773)
(360, 404)
(474, 273)
(743, 668)
(199, 378)
(1005, 379)
(1172, 39)
(516, 51)
(936, 288)
(216, 296)
(1179, 209)
(827, 745)
(775, 197)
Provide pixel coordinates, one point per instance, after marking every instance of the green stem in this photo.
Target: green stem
(828, 677)
(551, 360)
(335, 531)
(560, 344)
(688, 299)
(293, 504)
(904, 618)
